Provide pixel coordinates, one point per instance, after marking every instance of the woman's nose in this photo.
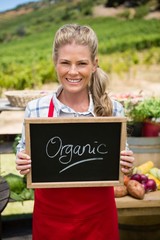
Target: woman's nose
(73, 69)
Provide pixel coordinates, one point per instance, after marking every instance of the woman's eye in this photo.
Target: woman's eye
(64, 63)
(82, 63)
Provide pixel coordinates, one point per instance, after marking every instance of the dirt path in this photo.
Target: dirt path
(101, 11)
(135, 86)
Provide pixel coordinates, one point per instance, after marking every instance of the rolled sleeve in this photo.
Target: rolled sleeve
(21, 144)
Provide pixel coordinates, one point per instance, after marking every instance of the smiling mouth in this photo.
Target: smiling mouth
(73, 80)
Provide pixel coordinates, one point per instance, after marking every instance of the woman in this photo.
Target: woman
(75, 213)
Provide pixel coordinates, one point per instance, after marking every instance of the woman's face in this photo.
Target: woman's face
(74, 67)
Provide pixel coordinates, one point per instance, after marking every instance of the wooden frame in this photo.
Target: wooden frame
(109, 138)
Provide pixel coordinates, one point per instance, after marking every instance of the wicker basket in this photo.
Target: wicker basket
(20, 98)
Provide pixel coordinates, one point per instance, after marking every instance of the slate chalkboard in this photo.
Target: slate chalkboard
(75, 152)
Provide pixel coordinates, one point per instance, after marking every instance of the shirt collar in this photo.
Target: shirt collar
(60, 107)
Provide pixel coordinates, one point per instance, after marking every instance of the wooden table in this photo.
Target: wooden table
(5, 106)
(129, 206)
(139, 219)
(11, 118)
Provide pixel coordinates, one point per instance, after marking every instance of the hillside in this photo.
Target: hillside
(129, 42)
(99, 9)
(29, 18)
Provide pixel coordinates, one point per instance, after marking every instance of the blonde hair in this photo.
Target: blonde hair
(84, 35)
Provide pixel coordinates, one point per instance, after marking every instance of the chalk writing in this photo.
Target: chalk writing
(65, 152)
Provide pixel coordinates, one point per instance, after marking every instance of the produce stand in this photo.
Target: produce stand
(131, 211)
(129, 206)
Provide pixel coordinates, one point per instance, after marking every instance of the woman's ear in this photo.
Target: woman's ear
(95, 65)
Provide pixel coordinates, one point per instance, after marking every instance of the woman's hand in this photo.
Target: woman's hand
(127, 161)
(23, 163)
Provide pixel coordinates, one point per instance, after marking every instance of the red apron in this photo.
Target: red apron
(75, 213)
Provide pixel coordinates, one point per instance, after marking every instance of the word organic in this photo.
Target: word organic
(55, 148)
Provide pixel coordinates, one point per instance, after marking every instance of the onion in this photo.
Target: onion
(144, 178)
(136, 177)
(145, 187)
(150, 185)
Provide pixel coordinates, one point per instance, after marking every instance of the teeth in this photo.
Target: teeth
(74, 80)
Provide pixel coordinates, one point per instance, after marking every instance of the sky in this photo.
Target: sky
(9, 4)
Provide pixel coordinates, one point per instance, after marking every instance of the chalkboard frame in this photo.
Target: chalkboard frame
(60, 184)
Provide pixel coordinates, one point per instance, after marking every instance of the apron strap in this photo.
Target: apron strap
(51, 109)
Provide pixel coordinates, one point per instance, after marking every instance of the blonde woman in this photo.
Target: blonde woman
(75, 213)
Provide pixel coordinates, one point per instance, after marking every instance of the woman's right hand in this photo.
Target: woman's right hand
(23, 163)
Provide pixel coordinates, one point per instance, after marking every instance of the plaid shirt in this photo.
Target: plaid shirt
(40, 107)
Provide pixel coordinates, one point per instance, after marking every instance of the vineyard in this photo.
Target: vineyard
(26, 43)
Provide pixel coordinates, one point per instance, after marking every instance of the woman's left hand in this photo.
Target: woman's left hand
(127, 161)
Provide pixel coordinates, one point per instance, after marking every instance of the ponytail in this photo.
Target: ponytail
(102, 102)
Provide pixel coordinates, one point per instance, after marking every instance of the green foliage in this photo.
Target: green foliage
(16, 183)
(140, 111)
(116, 35)
(16, 141)
(18, 188)
(142, 11)
(21, 76)
(126, 14)
(26, 194)
(85, 7)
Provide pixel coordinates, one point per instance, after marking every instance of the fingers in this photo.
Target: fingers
(23, 163)
(127, 171)
(127, 158)
(126, 153)
(24, 172)
(127, 161)
(23, 155)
